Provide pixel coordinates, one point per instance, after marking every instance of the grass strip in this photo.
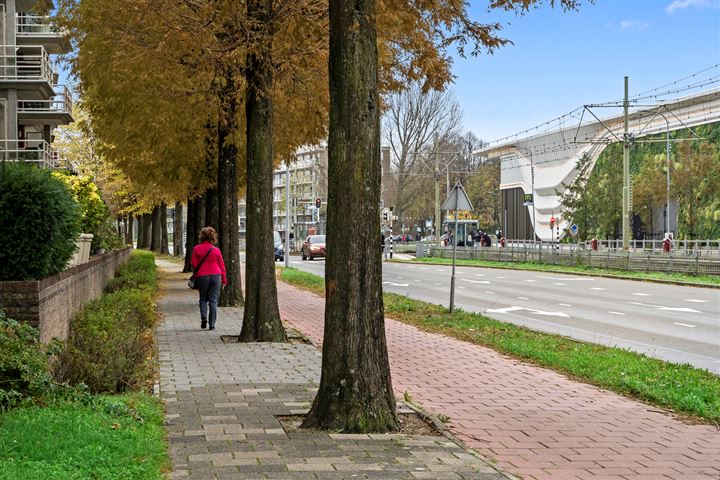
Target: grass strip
(695, 280)
(118, 437)
(682, 388)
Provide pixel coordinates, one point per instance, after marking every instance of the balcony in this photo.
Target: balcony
(31, 151)
(25, 67)
(33, 29)
(56, 111)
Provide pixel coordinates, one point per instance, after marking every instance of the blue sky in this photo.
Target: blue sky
(563, 60)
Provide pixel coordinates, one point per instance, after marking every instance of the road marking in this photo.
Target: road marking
(437, 284)
(396, 284)
(530, 281)
(500, 277)
(560, 284)
(474, 281)
(695, 300)
(424, 268)
(439, 269)
(564, 304)
(667, 309)
(684, 325)
(523, 298)
(597, 288)
(642, 294)
(399, 278)
(616, 313)
(531, 310)
(569, 279)
(462, 288)
(489, 292)
(479, 274)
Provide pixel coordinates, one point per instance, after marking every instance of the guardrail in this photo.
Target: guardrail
(28, 25)
(707, 247)
(61, 103)
(33, 151)
(692, 262)
(27, 64)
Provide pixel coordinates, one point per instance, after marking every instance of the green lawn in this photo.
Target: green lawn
(116, 437)
(700, 280)
(683, 388)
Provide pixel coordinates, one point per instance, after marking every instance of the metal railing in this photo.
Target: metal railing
(693, 262)
(29, 25)
(637, 247)
(30, 63)
(60, 103)
(32, 151)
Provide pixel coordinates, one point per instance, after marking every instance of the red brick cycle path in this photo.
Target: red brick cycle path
(536, 423)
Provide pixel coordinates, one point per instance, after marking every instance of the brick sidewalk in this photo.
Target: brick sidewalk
(533, 421)
(221, 403)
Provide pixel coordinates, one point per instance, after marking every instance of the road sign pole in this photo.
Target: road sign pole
(286, 255)
(455, 242)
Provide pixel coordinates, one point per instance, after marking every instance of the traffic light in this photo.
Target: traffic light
(318, 202)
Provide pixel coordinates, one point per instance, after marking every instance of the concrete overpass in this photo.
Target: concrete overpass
(555, 152)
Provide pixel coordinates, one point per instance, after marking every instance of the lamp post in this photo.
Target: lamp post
(286, 255)
(667, 183)
(532, 185)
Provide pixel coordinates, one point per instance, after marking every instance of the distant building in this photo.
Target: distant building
(308, 181)
(31, 102)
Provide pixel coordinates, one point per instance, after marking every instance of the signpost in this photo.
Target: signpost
(457, 200)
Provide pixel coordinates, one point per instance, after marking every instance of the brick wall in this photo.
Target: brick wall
(50, 303)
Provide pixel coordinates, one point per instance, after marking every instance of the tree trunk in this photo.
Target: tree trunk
(147, 230)
(355, 393)
(163, 228)
(211, 208)
(141, 231)
(191, 236)
(178, 249)
(261, 320)
(227, 189)
(155, 240)
(129, 230)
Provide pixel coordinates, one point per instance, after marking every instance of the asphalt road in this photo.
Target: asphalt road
(675, 323)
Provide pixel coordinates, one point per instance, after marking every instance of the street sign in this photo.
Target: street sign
(552, 220)
(573, 229)
(428, 224)
(527, 199)
(457, 200)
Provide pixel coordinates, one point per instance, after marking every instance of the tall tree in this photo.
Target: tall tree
(355, 392)
(695, 183)
(261, 320)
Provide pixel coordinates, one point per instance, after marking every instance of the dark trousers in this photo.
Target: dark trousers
(209, 287)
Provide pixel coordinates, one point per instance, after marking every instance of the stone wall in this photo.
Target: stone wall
(50, 303)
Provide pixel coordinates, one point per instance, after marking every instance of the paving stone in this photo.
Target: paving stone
(223, 400)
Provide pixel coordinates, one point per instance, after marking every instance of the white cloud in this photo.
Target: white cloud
(683, 4)
(634, 25)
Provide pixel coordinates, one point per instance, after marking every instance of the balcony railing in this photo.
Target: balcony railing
(25, 64)
(32, 151)
(29, 25)
(61, 103)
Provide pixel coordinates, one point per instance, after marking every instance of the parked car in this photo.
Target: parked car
(313, 247)
(279, 247)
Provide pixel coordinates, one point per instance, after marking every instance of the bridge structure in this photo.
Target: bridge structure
(542, 160)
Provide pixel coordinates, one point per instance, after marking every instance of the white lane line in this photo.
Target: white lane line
(479, 274)
(642, 294)
(437, 284)
(564, 304)
(439, 269)
(560, 284)
(489, 292)
(500, 277)
(424, 268)
(569, 279)
(667, 309)
(695, 300)
(523, 298)
(399, 278)
(616, 313)
(597, 288)
(530, 281)
(684, 325)
(396, 284)
(475, 281)
(515, 308)
(462, 288)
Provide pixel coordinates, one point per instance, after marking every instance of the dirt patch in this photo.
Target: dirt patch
(293, 337)
(410, 424)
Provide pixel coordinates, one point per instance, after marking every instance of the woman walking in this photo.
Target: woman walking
(209, 268)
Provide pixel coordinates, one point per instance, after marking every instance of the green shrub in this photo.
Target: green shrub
(39, 223)
(138, 272)
(111, 346)
(95, 214)
(24, 370)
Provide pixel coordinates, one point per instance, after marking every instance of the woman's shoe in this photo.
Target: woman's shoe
(203, 324)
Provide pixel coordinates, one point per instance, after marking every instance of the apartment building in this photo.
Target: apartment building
(32, 103)
(308, 182)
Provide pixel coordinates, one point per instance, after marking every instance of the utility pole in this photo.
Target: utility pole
(626, 174)
(437, 190)
(286, 255)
